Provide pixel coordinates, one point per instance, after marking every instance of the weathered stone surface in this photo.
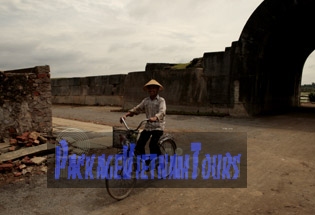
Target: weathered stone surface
(27, 170)
(12, 148)
(96, 90)
(22, 166)
(25, 101)
(33, 135)
(13, 141)
(4, 145)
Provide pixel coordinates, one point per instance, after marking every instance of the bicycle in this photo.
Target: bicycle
(121, 187)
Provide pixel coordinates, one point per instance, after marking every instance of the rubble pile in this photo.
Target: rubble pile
(24, 166)
(25, 154)
(27, 139)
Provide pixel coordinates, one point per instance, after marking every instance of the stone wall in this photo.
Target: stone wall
(25, 101)
(217, 71)
(205, 86)
(95, 90)
(185, 90)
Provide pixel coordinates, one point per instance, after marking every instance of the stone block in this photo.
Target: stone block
(38, 160)
(89, 100)
(6, 166)
(75, 91)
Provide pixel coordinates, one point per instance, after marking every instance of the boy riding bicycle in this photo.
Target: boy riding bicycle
(154, 107)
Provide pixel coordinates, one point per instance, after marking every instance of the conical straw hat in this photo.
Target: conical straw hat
(153, 82)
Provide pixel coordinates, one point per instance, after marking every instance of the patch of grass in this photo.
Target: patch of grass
(180, 66)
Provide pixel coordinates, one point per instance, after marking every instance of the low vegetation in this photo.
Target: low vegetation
(195, 63)
(311, 97)
(308, 91)
(310, 88)
(180, 66)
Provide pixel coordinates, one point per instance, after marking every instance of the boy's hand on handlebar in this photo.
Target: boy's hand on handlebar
(129, 114)
(121, 119)
(125, 116)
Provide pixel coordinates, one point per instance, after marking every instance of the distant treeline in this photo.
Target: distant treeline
(308, 87)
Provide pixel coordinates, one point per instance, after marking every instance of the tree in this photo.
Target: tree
(311, 97)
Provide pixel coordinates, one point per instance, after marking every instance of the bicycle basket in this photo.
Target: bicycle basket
(119, 136)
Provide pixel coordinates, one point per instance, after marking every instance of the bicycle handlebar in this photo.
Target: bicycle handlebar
(125, 124)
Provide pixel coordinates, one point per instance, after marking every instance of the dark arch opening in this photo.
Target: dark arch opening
(275, 43)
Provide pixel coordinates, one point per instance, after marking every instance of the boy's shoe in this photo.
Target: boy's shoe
(147, 163)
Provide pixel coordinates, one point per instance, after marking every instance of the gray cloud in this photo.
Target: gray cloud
(100, 37)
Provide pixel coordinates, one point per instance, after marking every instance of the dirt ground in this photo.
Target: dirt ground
(280, 172)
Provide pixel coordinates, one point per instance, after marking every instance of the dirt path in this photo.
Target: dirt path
(280, 173)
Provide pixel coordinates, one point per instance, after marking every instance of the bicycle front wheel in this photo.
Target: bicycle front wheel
(120, 185)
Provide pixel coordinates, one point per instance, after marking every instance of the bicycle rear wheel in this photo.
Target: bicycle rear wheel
(120, 187)
(167, 148)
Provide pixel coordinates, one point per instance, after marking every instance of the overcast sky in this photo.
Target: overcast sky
(78, 38)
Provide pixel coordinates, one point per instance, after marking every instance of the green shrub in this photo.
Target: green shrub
(180, 66)
(311, 97)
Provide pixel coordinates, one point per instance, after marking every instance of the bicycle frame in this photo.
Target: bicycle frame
(131, 135)
(163, 138)
(125, 124)
(167, 146)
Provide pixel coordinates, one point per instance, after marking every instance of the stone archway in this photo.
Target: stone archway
(271, 52)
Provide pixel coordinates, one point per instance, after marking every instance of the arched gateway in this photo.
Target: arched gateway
(270, 54)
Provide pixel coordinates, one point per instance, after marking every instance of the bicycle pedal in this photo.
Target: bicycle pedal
(147, 162)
